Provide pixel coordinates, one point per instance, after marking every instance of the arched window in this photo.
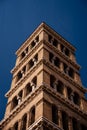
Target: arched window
(24, 122)
(54, 114)
(28, 89)
(14, 102)
(76, 98)
(65, 121)
(32, 115)
(52, 80)
(15, 127)
(60, 87)
(75, 124)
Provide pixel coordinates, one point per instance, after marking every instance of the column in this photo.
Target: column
(72, 96)
(59, 46)
(61, 66)
(70, 125)
(60, 118)
(34, 60)
(55, 85)
(53, 59)
(27, 124)
(32, 85)
(23, 96)
(19, 124)
(65, 92)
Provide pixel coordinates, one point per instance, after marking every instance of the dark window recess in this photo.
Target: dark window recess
(16, 126)
(51, 57)
(65, 68)
(75, 124)
(65, 121)
(19, 75)
(83, 127)
(37, 39)
(62, 48)
(55, 43)
(57, 62)
(60, 87)
(14, 102)
(52, 80)
(32, 115)
(24, 122)
(31, 64)
(69, 91)
(20, 94)
(71, 73)
(36, 57)
(33, 44)
(76, 99)
(24, 69)
(28, 89)
(49, 38)
(67, 52)
(22, 55)
(34, 80)
(54, 114)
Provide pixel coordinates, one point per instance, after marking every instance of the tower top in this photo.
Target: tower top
(48, 29)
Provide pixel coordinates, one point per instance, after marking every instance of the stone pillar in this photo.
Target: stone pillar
(23, 95)
(72, 96)
(59, 46)
(34, 60)
(55, 85)
(27, 124)
(53, 59)
(32, 85)
(60, 118)
(65, 92)
(61, 66)
(70, 125)
(19, 124)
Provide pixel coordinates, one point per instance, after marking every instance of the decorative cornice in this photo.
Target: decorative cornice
(46, 88)
(34, 34)
(50, 30)
(41, 122)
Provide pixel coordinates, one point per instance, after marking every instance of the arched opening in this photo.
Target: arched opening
(24, 122)
(15, 127)
(65, 120)
(60, 87)
(31, 64)
(32, 115)
(54, 114)
(71, 72)
(57, 62)
(28, 89)
(51, 57)
(19, 76)
(76, 98)
(83, 127)
(69, 91)
(67, 52)
(75, 124)
(34, 83)
(14, 102)
(52, 80)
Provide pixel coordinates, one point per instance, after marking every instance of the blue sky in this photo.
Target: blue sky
(19, 18)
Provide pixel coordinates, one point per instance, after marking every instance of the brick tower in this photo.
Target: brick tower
(46, 91)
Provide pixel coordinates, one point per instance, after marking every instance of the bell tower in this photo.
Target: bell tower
(46, 91)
